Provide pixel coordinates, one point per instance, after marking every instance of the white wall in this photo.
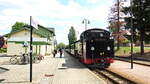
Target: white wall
(16, 48)
(25, 36)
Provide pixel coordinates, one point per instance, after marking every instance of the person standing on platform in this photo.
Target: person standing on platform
(54, 52)
(60, 51)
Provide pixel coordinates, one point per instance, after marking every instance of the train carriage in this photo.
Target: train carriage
(95, 48)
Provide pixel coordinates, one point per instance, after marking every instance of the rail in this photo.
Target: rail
(111, 77)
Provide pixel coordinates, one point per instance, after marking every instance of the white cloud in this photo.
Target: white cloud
(71, 14)
(50, 8)
(92, 1)
(99, 13)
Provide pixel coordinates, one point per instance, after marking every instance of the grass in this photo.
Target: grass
(125, 51)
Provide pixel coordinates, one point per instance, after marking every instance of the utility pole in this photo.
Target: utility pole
(131, 4)
(85, 21)
(31, 30)
(142, 27)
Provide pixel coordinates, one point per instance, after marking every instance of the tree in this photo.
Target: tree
(72, 36)
(17, 26)
(67, 46)
(116, 23)
(141, 19)
(61, 45)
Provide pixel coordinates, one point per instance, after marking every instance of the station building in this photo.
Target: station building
(18, 42)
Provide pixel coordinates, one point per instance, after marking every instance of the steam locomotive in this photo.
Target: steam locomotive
(95, 48)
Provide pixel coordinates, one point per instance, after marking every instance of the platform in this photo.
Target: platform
(65, 70)
(139, 73)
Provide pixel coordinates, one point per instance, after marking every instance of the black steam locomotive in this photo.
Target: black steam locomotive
(95, 48)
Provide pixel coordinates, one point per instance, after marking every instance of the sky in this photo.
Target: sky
(58, 14)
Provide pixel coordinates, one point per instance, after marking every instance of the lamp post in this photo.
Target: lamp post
(85, 21)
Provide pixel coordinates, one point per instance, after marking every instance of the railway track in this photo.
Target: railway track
(110, 77)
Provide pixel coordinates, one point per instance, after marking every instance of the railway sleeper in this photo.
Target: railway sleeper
(114, 78)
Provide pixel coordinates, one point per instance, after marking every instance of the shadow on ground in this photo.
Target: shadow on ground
(19, 82)
(3, 69)
(71, 62)
(1, 80)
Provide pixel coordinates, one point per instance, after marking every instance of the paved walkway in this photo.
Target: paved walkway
(139, 73)
(51, 70)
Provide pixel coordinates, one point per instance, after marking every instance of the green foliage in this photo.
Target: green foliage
(61, 45)
(17, 26)
(67, 46)
(44, 32)
(3, 50)
(140, 12)
(41, 31)
(141, 19)
(72, 35)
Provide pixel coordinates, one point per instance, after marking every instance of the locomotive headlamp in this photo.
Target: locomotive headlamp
(108, 48)
(111, 38)
(101, 35)
(101, 53)
(92, 48)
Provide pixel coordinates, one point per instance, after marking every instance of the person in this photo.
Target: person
(54, 52)
(60, 51)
